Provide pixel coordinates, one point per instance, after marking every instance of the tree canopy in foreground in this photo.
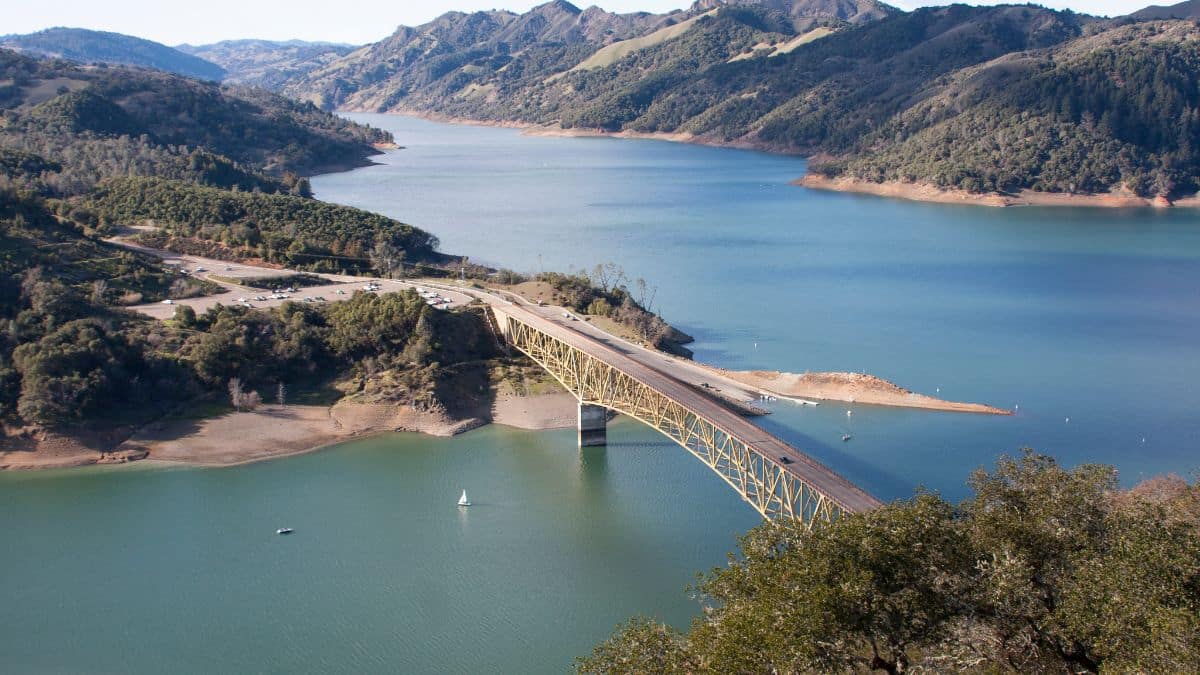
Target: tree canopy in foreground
(1044, 569)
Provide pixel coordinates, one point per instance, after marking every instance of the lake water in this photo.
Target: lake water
(1087, 314)
(1084, 314)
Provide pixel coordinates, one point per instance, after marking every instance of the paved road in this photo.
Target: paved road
(671, 378)
(679, 379)
(340, 287)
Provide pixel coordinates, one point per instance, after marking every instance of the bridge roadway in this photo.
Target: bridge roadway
(819, 477)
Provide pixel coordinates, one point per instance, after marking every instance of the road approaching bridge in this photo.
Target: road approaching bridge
(778, 480)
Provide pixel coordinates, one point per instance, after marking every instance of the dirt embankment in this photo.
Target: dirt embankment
(271, 431)
(853, 388)
(928, 193)
(34, 448)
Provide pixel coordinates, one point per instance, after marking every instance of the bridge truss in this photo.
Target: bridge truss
(773, 490)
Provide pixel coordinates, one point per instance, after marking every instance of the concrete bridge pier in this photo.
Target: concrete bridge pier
(592, 421)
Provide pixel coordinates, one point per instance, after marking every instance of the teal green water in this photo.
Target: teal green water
(180, 570)
(1083, 313)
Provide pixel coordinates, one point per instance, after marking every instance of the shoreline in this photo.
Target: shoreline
(534, 129)
(922, 192)
(271, 432)
(916, 192)
(855, 388)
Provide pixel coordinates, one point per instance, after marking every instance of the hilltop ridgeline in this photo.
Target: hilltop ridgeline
(978, 99)
(97, 121)
(93, 46)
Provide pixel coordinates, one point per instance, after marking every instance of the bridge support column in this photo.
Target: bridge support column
(592, 421)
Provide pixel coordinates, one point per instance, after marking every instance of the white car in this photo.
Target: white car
(168, 302)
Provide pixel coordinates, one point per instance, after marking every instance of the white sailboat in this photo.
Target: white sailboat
(463, 501)
(849, 432)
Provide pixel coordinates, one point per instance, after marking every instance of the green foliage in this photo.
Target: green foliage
(31, 238)
(1122, 112)
(299, 232)
(604, 292)
(640, 646)
(1044, 569)
(599, 307)
(72, 373)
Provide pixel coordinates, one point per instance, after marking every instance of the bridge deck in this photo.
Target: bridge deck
(836, 488)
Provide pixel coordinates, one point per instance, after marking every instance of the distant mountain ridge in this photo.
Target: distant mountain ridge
(851, 11)
(92, 46)
(267, 63)
(1190, 9)
(480, 54)
(876, 94)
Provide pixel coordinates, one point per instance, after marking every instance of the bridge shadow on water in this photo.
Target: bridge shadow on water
(882, 484)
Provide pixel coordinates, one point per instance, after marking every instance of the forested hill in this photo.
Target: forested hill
(93, 46)
(984, 99)
(268, 64)
(486, 58)
(90, 122)
(1114, 111)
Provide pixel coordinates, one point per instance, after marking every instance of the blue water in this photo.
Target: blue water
(1087, 314)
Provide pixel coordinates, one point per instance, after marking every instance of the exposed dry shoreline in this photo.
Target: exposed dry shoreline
(271, 431)
(851, 388)
(557, 131)
(919, 192)
(928, 193)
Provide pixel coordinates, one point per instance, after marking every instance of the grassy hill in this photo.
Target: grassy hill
(93, 46)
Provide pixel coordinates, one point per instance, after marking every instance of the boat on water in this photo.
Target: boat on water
(284, 530)
(463, 501)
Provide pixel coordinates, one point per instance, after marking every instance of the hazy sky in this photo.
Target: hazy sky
(352, 21)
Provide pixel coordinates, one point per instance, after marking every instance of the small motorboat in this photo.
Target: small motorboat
(463, 501)
(284, 530)
(846, 437)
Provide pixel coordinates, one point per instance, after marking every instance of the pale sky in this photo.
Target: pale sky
(350, 21)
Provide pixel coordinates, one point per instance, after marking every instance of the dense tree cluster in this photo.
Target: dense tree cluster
(1121, 109)
(605, 292)
(1044, 569)
(303, 233)
(33, 238)
(69, 354)
(64, 359)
